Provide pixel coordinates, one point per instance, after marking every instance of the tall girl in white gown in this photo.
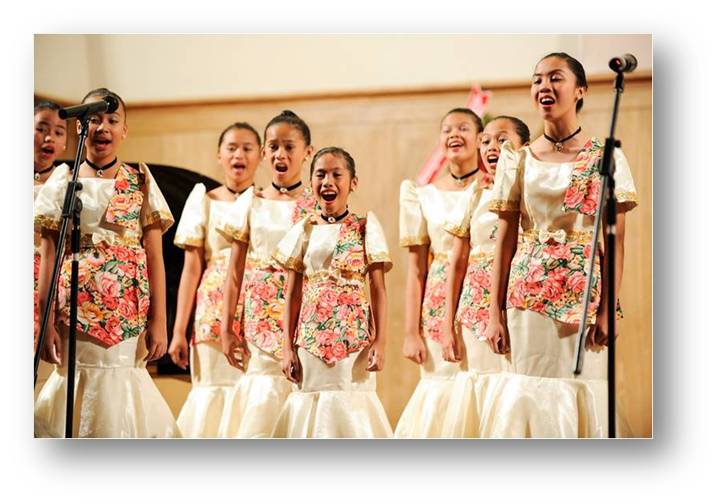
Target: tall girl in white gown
(552, 188)
(334, 338)
(255, 224)
(422, 215)
(467, 311)
(203, 275)
(121, 298)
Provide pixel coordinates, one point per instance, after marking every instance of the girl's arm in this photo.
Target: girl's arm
(377, 290)
(414, 348)
(598, 335)
(458, 263)
(290, 362)
(231, 342)
(497, 333)
(191, 275)
(157, 327)
(52, 346)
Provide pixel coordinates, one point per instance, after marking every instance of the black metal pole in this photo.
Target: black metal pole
(608, 192)
(72, 208)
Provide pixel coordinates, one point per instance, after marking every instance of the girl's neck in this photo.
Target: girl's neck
(103, 160)
(463, 167)
(237, 188)
(562, 127)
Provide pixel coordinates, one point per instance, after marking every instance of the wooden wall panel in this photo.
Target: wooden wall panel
(391, 135)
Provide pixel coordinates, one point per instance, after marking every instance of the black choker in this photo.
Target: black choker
(331, 219)
(285, 190)
(237, 192)
(100, 169)
(558, 144)
(460, 181)
(38, 173)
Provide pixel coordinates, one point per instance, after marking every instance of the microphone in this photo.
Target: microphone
(108, 104)
(623, 64)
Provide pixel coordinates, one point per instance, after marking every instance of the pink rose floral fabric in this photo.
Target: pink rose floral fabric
(583, 192)
(335, 319)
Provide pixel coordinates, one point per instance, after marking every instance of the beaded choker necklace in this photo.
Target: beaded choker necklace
(38, 173)
(285, 190)
(100, 169)
(558, 144)
(331, 219)
(238, 192)
(461, 180)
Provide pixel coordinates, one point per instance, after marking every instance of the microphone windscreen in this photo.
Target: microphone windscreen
(112, 104)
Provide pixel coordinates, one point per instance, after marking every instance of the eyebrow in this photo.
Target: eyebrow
(549, 72)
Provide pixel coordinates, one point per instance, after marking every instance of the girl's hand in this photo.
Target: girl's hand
(451, 348)
(179, 351)
(291, 366)
(598, 333)
(497, 335)
(235, 350)
(52, 346)
(156, 340)
(376, 357)
(414, 348)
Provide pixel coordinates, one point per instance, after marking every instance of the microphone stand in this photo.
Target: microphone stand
(72, 208)
(607, 197)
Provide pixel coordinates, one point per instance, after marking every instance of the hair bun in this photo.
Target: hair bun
(288, 113)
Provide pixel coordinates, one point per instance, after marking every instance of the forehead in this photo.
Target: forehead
(552, 64)
(457, 118)
(239, 135)
(498, 126)
(50, 117)
(330, 162)
(283, 131)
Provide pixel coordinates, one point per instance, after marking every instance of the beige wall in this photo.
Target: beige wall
(390, 136)
(169, 68)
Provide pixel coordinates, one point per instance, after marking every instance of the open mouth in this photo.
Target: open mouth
(546, 101)
(455, 144)
(48, 151)
(328, 196)
(281, 167)
(493, 159)
(101, 142)
(239, 166)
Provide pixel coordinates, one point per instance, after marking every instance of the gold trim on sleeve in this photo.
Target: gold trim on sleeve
(503, 206)
(232, 233)
(47, 222)
(410, 241)
(292, 263)
(187, 241)
(457, 230)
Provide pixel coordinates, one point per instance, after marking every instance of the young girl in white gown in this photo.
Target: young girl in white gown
(334, 339)
(203, 275)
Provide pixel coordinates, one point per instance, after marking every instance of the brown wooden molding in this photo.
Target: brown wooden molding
(597, 79)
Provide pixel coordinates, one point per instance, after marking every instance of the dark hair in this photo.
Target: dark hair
(463, 110)
(576, 68)
(289, 117)
(521, 129)
(102, 92)
(336, 151)
(240, 126)
(46, 105)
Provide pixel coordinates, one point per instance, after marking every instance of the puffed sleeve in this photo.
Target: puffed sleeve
(458, 223)
(506, 195)
(191, 228)
(290, 250)
(235, 224)
(154, 205)
(412, 224)
(377, 250)
(47, 210)
(625, 188)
